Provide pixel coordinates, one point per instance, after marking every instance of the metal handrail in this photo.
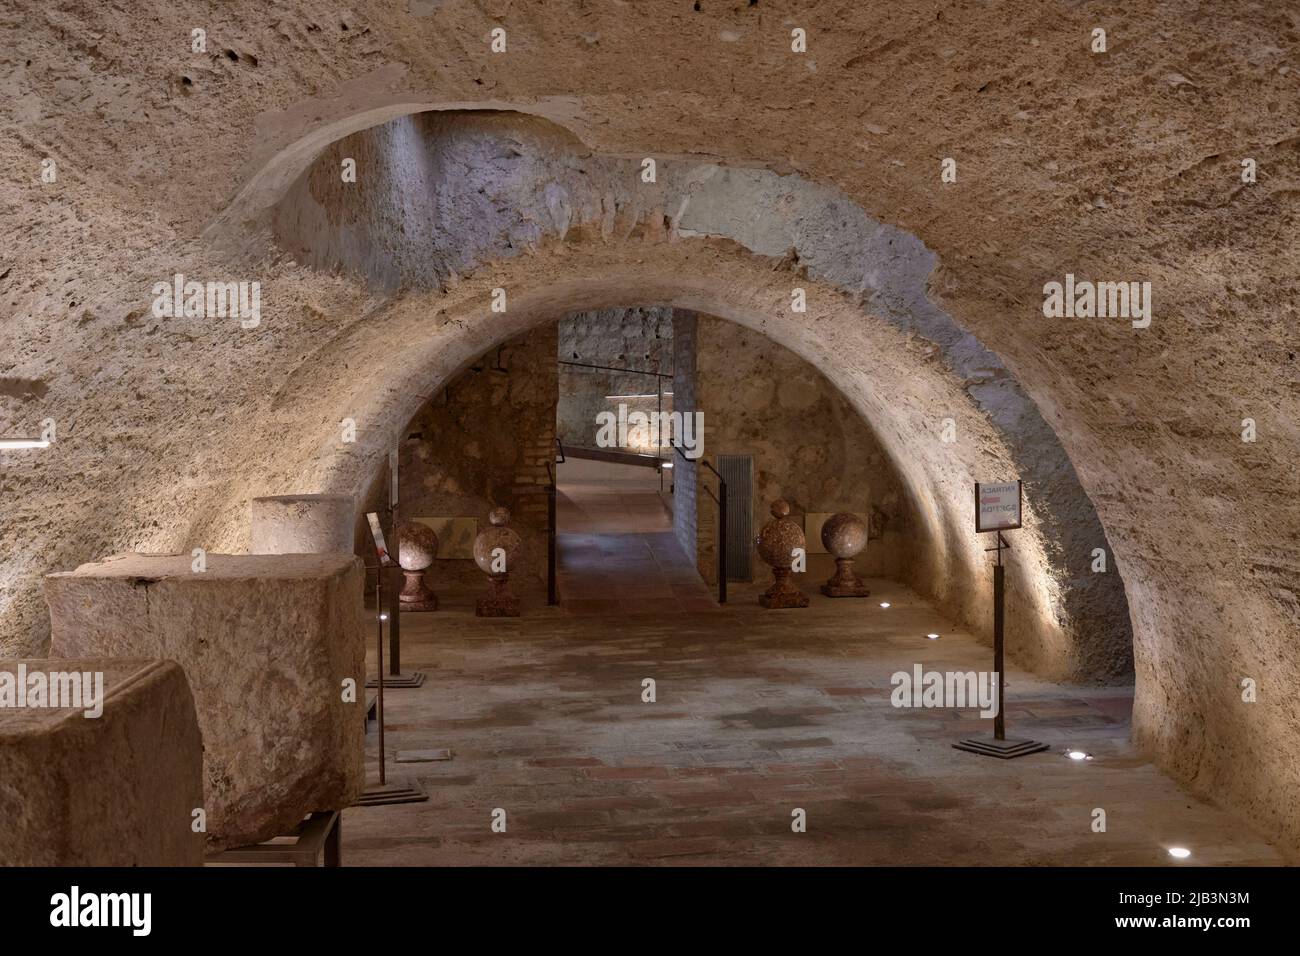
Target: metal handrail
(552, 595)
(720, 499)
(614, 368)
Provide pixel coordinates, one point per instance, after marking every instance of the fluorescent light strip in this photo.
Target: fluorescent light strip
(12, 443)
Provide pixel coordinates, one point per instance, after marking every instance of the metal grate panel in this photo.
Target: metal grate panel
(738, 472)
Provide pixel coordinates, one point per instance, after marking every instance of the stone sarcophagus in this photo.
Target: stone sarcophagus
(273, 649)
(101, 764)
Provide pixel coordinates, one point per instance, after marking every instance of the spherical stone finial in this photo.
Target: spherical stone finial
(780, 536)
(494, 537)
(844, 534)
(417, 546)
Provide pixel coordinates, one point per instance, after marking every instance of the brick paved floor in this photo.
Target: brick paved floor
(758, 713)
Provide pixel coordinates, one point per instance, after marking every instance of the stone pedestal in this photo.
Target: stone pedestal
(776, 545)
(267, 643)
(498, 601)
(417, 548)
(782, 592)
(496, 550)
(844, 535)
(303, 524)
(119, 789)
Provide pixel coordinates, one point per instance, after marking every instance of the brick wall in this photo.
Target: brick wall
(484, 441)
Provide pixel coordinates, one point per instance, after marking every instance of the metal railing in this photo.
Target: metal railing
(615, 368)
(552, 593)
(720, 499)
(659, 378)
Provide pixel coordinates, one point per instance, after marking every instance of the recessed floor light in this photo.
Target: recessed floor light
(383, 617)
(1179, 853)
(1078, 755)
(933, 637)
(884, 604)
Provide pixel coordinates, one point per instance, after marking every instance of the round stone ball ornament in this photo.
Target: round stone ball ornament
(417, 548)
(497, 550)
(776, 545)
(844, 535)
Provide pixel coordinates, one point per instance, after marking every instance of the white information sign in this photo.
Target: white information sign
(997, 505)
(376, 532)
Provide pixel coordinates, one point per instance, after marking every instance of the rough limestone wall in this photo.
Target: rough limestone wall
(483, 441)
(809, 447)
(1122, 165)
(639, 337)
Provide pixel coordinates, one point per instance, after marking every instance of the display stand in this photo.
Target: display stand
(388, 591)
(385, 793)
(997, 502)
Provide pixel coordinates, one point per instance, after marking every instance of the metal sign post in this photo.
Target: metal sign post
(997, 509)
(397, 793)
(394, 610)
(389, 588)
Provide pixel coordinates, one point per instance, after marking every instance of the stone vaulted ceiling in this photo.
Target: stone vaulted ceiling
(1119, 166)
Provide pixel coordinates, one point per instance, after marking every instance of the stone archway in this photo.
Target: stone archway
(380, 370)
(448, 193)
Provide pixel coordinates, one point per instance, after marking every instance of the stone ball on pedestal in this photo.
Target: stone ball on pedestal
(497, 535)
(498, 601)
(845, 535)
(777, 543)
(417, 548)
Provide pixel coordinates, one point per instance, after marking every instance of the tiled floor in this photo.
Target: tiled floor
(758, 713)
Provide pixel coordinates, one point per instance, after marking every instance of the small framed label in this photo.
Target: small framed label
(376, 532)
(997, 505)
